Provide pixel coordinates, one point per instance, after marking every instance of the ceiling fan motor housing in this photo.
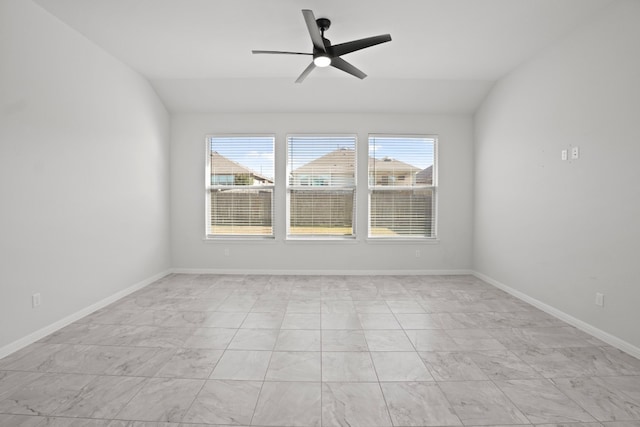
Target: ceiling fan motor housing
(323, 24)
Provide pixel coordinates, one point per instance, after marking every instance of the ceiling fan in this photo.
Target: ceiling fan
(324, 54)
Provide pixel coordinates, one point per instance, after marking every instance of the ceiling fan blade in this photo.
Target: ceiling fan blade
(352, 46)
(279, 52)
(314, 32)
(343, 65)
(306, 72)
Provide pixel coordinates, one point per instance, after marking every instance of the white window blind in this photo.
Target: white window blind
(402, 189)
(240, 185)
(321, 186)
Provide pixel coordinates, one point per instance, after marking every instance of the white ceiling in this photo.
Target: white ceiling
(444, 57)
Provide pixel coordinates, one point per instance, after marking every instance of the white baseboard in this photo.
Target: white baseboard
(583, 326)
(41, 333)
(324, 272)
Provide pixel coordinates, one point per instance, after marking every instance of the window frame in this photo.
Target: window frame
(433, 187)
(209, 186)
(321, 188)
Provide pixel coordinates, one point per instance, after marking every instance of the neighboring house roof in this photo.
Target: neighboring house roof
(388, 164)
(343, 159)
(337, 161)
(220, 165)
(425, 176)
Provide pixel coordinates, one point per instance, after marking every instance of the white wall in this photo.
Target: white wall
(561, 231)
(83, 173)
(191, 252)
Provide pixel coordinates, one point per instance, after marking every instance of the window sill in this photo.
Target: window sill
(239, 239)
(402, 241)
(321, 240)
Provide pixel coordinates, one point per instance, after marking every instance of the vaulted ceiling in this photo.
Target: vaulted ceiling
(444, 57)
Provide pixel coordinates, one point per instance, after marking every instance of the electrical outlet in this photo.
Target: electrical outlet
(599, 299)
(564, 155)
(575, 153)
(36, 300)
(417, 253)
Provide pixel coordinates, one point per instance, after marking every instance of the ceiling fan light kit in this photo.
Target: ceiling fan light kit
(324, 54)
(321, 60)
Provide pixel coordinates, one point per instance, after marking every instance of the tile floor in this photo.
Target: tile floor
(197, 350)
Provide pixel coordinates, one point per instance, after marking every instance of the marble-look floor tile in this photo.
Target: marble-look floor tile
(11, 381)
(348, 367)
(502, 365)
(270, 305)
(35, 357)
(149, 356)
(254, 339)
(597, 362)
(162, 399)
(224, 402)
(298, 340)
(224, 320)
(262, 321)
(80, 333)
(570, 425)
(337, 307)
(21, 420)
(552, 362)
(481, 403)
(455, 320)
(378, 321)
(388, 340)
(620, 355)
(554, 337)
(371, 307)
(120, 423)
(344, 340)
(146, 336)
(212, 338)
(289, 404)
(340, 321)
(44, 395)
(305, 293)
(196, 304)
(74, 358)
(418, 404)
(190, 363)
(629, 385)
(405, 306)
(474, 339)
(180, 318)
(529, 319)
(622, 424)
(452, 366)
(133, 361)
(400, 366)
(601, 398)
(294, 366)
(68, 422)
(242, 365)
(103, 397)
(236, 305)
(418, 321)
(354, 405)
(541, 402)
(301, 321)
(304, 306)
(431, 340)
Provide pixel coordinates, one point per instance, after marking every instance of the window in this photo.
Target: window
(240, 186)
(402, 189)
(321, 186)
